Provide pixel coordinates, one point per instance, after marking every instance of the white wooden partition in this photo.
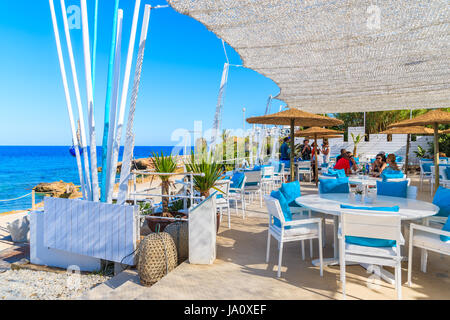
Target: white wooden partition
(94, 229)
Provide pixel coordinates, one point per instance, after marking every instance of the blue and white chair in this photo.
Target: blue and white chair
(237, 191)
(286, 228)
(425, 170)
(371, 238)
(303, 169)
(428, 239)
(444, 178)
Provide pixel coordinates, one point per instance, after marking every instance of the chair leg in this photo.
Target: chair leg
(280, 256)
(423, 260)
(410, 257)
(310, 248)
(229, 218)
(342, 266)
(320, 253)
(260, 198)
(303, 249)
(268, 247)
(398, 280)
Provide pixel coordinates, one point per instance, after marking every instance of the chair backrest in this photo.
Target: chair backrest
(371, 225)
(224, 188)
(304, 164)
(267, 172)
(253, 176)
(273, 209)
(442, 174)
(411, 192)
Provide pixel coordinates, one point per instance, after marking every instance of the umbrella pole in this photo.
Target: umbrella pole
(408, 138)
(316, 170)
(436, 157)
(292, 150)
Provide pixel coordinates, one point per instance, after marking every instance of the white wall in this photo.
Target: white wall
(377, 143)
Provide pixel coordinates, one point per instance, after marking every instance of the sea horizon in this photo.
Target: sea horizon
(23, 167)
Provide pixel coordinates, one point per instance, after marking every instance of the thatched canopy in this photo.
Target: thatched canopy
(310, 132)
(433, 116)
(300, 118)
(409, 130)
(446, 131)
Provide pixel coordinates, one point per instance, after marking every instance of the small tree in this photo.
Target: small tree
(164, 164)
(356, 140)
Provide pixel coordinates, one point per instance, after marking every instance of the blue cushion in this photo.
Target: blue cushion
(370, 242)
(391, 174)
(257, 168)
(236, 181)
(427, 166)
(392, 189)
(392, 209)
(338, 185)
(426, 160)
(284, 207)
(399, 159)
(442, 200)
(340, 172)
(291, 191)
(356, 160)
(327, 174)
(447, 173)
(249, 184)
(446, 228)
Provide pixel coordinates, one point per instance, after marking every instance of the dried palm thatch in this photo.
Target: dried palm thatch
(310, 132)
(295, 117)
(434, 118)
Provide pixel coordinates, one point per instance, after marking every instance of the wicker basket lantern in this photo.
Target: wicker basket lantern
(157, 257)
(180, 234)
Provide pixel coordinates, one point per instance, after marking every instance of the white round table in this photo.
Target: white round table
(330, 203)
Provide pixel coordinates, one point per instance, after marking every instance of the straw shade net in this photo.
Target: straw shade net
(316, 133)
(434, 118)
(419, 130)
(338, 56)
(292, 118)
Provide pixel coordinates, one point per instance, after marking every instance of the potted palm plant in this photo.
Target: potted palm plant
(356, 140)
(163, 164)
(211, 171)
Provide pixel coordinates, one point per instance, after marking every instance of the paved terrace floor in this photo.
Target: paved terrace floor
(240, 271)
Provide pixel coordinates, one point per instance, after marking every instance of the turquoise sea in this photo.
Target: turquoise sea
(23, 167)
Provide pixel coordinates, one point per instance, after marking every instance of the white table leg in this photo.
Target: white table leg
(384, 274)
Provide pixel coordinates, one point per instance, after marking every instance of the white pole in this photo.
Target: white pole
(219, 106)
(67, 95)
(90, 100)
(79, 104)
(128, 149)
(126, 83)
(110, 176)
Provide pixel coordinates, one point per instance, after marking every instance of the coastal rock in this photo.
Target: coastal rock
(59, 189)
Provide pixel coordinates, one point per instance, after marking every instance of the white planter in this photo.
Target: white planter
(202, 232)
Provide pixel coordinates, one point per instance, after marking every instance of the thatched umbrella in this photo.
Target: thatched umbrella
(292, 118)
(434, 118)
(446, 131)
(317, 132)
(409, 131)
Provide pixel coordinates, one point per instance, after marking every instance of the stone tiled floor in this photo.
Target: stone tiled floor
(240, 271)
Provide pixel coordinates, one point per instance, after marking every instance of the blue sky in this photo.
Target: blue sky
(180, 80)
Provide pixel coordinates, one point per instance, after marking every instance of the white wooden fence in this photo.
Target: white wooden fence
(377, 143)
(94, 229)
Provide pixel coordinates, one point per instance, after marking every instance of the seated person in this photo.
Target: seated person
(378, 165)
(340, 156)
(305, 150)
(352, 161)
(343, 163)
(390, 160)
